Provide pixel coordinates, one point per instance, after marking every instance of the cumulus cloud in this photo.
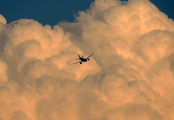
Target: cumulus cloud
(130, 75)
(2, 19)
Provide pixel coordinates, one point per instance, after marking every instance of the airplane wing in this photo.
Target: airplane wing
(89, 56)
(78, 55)
(76, 62)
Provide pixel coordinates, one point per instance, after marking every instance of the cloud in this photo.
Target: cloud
(2, 19)
(3, 75)
(130, 75)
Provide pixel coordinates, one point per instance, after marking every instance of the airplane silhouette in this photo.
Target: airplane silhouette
(82, 59)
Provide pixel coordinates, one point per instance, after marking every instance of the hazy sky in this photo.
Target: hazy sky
(53, 11)
(129, 77)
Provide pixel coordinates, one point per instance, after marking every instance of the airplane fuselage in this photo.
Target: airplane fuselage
(83, 59)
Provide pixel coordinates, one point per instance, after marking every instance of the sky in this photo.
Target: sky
(52, 12)
(129, 77)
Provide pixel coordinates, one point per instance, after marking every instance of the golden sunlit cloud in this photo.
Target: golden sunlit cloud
(129, 77)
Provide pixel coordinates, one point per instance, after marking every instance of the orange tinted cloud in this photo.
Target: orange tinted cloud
(130, 75)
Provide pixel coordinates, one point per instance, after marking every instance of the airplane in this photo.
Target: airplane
(82, 59)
